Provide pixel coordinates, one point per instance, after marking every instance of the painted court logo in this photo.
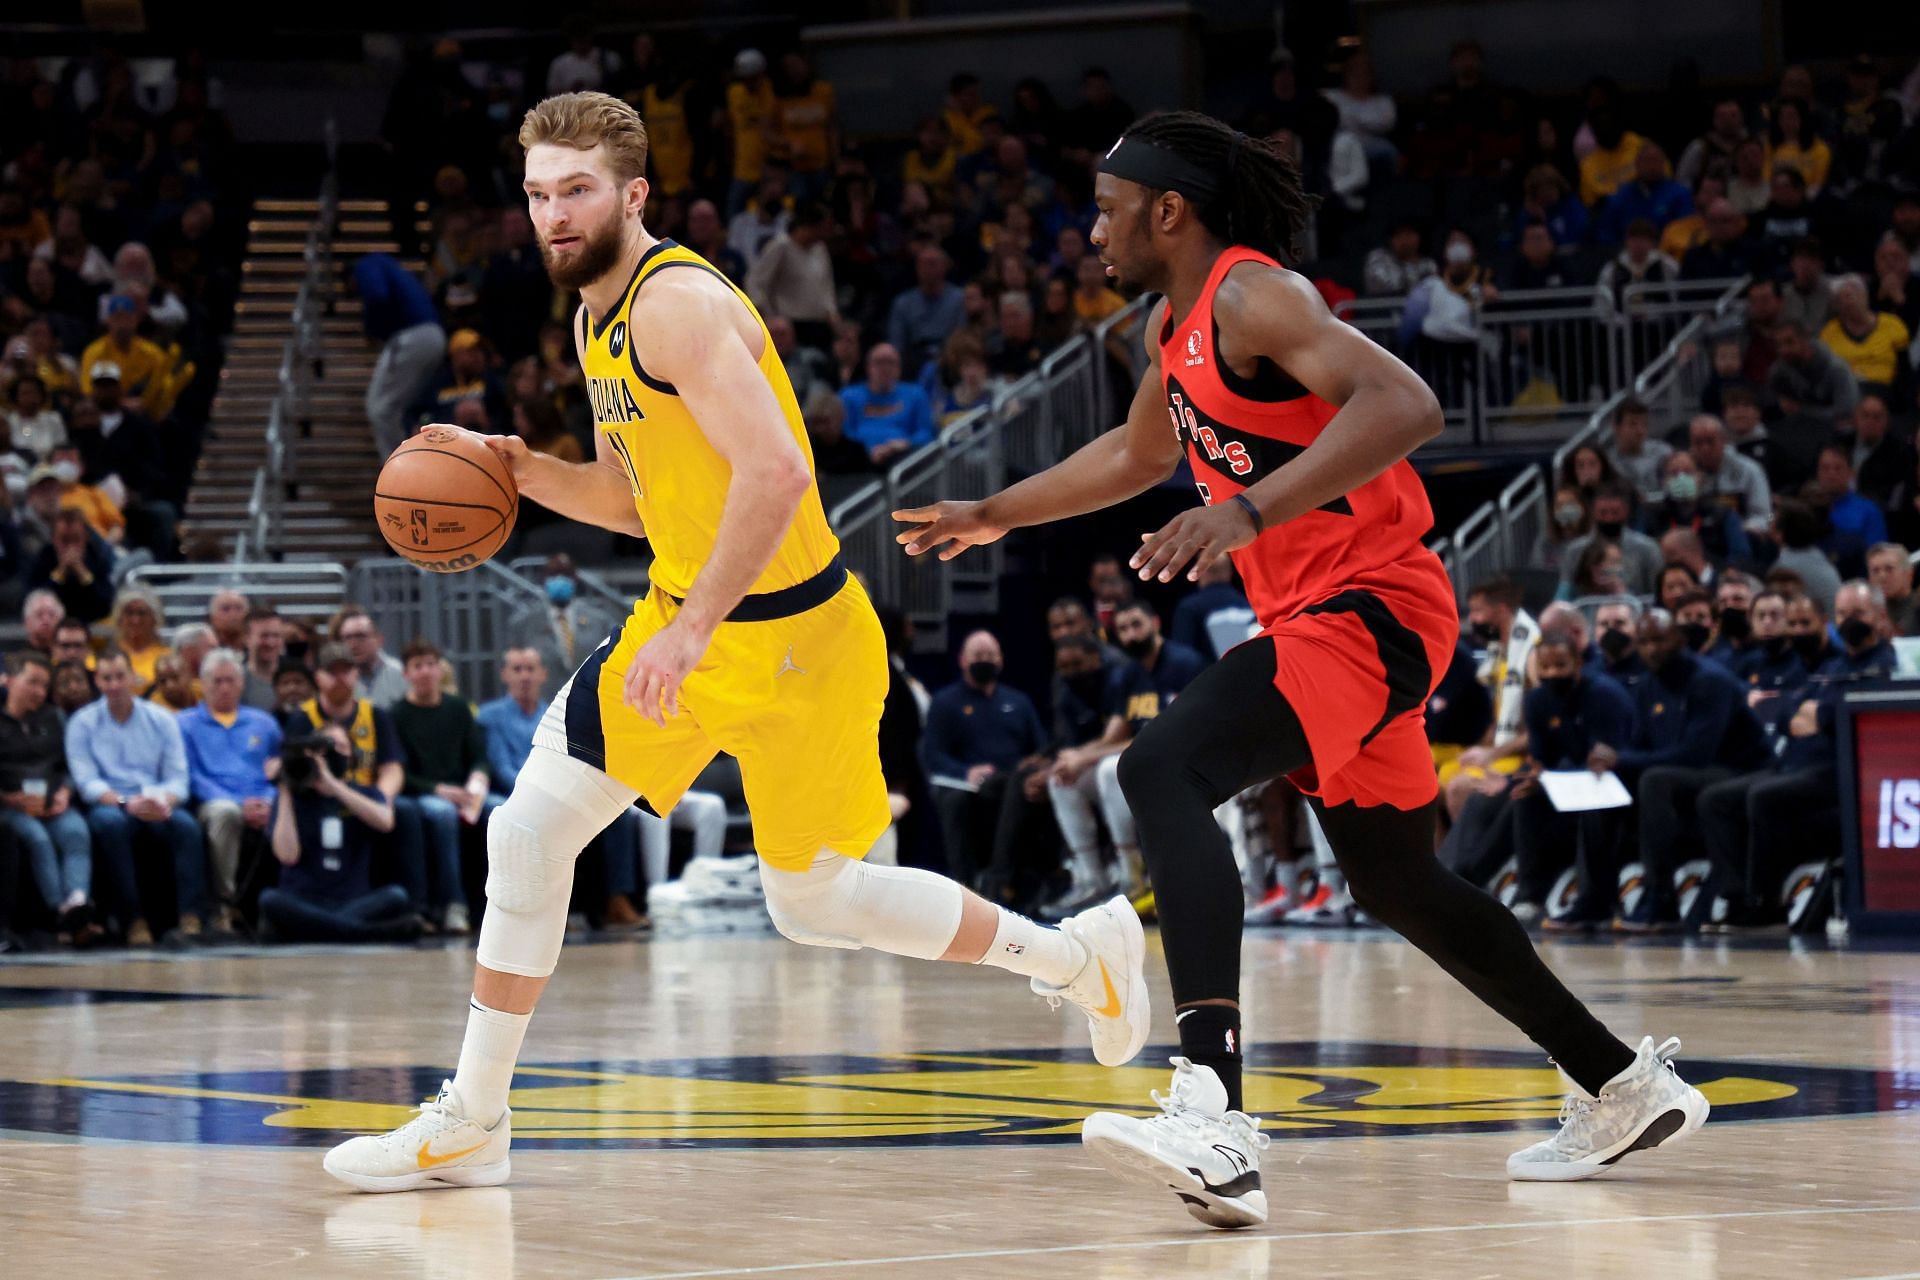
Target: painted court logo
(1302, 1090)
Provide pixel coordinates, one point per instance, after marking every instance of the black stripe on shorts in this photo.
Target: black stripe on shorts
(586, 738)
(1409, 674)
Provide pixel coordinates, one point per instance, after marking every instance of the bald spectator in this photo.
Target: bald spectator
(1808, 380)
(888, 417)
(1890, 568)
(1727, 476)
(1871, 343)
(227, 615)
(1685, 547)
(1726, 252)
(1882, 461)
(1652, 195)
(921, 318)
(40, 616)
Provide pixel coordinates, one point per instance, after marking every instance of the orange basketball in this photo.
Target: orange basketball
(444, 500)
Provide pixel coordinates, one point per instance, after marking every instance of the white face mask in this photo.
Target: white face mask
(68, 472)
(1459, 252)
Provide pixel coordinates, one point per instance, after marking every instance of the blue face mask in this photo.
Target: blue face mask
(560, 590)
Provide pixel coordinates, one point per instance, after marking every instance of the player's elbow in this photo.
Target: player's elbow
(1423, 416)
(781, 476)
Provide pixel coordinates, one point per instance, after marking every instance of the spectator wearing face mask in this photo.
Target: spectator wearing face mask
(1569, 520)
(567, 626)
(1684, 507)
(1769, 663)
(1733, 638)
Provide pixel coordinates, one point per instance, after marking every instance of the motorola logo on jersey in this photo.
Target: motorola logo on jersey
(612, 401)
(1899, 826)
(617, 340)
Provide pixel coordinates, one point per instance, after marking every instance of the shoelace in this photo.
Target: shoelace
(433, 1111)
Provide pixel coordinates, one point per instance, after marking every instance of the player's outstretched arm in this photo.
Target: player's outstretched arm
(1385, 413)
(597, 493)
(1128, 460)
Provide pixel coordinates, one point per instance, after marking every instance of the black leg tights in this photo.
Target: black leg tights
(1230, 729)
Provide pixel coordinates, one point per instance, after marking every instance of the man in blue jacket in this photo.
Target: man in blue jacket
(1567, 713)
(1691, 729)
(1757, 825)
(1769, 664)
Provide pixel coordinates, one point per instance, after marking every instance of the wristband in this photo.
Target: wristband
(1253, 513)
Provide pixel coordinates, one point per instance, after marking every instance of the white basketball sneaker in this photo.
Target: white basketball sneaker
(1207, 1155)
(440, 1145)
(1111, 988)
(1647, 1105)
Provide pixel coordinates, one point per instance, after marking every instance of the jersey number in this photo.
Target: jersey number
(626, 460)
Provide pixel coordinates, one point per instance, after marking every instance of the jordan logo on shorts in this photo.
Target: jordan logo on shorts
(786, 665)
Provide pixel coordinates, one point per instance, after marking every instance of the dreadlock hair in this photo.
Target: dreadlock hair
(1262, 204)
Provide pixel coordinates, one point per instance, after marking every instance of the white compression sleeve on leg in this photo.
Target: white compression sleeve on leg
(838, 902)
(558, 804)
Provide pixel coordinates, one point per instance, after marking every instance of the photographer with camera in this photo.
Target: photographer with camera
(323, 834)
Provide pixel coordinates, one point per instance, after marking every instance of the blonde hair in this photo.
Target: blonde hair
(586, 120)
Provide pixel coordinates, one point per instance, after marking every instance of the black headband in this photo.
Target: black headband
(1154, 166)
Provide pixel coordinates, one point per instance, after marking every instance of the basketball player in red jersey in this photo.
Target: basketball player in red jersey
(1297, 429)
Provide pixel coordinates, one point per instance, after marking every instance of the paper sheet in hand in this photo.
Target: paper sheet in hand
(1582, 790)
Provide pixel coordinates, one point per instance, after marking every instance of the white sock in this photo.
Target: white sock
(1036, 950)
(487, 1056)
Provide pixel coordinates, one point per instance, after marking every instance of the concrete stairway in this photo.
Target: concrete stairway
(331, 461)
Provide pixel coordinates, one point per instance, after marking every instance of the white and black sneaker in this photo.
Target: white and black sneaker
(1202, 1152)
(1647, 1105)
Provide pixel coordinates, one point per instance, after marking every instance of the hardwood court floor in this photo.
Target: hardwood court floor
(739, 1106)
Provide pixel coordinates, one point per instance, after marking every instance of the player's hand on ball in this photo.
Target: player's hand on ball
(951, 526)
(513, 451)
(662, 663)
(1201, 535)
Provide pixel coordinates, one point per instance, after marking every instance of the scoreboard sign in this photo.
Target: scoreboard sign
(1880, 809)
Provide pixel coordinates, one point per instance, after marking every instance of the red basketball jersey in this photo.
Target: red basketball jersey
(1238, 430)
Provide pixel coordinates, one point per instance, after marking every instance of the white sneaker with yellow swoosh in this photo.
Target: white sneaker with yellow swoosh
(1111, 988)
(440, 1145)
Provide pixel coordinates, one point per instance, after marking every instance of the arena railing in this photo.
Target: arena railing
(1544, 360)
(1500, 534)
(300, 587)
(471, 616)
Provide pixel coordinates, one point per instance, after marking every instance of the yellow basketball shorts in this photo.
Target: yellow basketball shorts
(795, 699)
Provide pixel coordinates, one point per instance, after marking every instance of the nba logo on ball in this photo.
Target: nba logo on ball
(618, 339)
(419, 527)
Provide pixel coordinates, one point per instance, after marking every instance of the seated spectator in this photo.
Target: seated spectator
(931, 160)
(972, 385)
(507, 725)
(382, 679)
(1797, 526)
(1849, 515)
(567, 626)
(1057, 323)
(757, 222)
(545, 431)
(707, 236)
(1727, 477)
(129, 764)
(1733, 635)
(72, 686)
(102, 513)
(1890, 570)
(466, 376)
(1567, 520)
(41, 613)
(1713, 151)
(233, 758)
(1640, 555)
(137, 622)
(1546, 196)
(1505, 633)
(1809, 380)
(1797, 148)
(119, 444)
(1600, 571)
(1693, 616)
(1769, 662)
(1683, 547)
(809, 369)
(833, 452)
(922, 318)
(1637, 457)
(1014, 350)
(1086, 776)
(1613, 161)
(1806, 295)
(1871, 343)
(1652, 196)
(446, 778)
(139, 368)
(1441, 323)
(1392, 270)
(1213, 617)
(983, 739)
(1787, 218)
(1691, 729)
(34, 427)
(37, 794)
(1093, 298)
(1748, 435)
(1896, 289)
(1616, 653)
(1750, 183)
(1586, 468)
(1537, 265)
(793, 277)
(265, 642)
(173, 689)
(227, 616)
(1638, 262)
(883, 414)
(293, 685)
(1757, 826)
(1686, 507)
(1569, 711)
(1677, 582)
(77, 566)
(1726, 251)
(324, 828)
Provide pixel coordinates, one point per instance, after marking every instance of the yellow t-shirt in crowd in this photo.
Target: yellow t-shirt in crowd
(935, 174)
(1097, 308)
(142, 660)
(1813, 162)
(1874, 358)
(964, 126)
(144, 374)
(805, 127)
(669, 140)
(750, 110)
(1603, 170)
(101, 513)
(1683, 234)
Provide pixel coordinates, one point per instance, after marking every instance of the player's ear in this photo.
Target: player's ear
(637, 195)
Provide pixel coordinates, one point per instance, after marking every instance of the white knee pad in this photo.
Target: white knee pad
(558, 804)
(838, 902)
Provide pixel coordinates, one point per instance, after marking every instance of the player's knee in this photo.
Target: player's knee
(523, 871)
(1147, 765)
(808, 906)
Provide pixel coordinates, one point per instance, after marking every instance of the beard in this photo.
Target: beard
(598, 253)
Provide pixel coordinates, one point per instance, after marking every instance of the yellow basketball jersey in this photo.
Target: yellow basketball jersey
(679, 479)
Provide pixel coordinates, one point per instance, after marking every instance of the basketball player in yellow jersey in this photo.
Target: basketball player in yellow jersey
(753, 640)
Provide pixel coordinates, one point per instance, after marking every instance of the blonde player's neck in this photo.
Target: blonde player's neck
(604, 294)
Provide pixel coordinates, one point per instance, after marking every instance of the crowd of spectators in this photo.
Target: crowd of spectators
(119, 246)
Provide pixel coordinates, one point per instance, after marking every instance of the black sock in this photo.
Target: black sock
(1210, 1037)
